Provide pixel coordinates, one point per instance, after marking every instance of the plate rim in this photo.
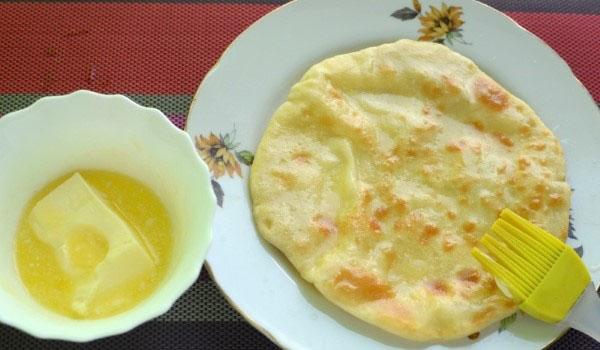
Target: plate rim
(246, 317)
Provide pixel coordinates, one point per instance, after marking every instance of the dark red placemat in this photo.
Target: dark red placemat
(157, 53)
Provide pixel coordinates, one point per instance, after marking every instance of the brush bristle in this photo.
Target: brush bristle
(521, 253)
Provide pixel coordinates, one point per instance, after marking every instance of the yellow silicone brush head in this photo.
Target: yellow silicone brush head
(542, 273)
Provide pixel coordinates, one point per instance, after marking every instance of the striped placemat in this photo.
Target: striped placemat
(157, 52)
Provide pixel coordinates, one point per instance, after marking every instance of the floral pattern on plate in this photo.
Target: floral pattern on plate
(222, 157)
(438, 25)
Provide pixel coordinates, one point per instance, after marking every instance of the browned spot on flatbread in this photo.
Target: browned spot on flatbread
(386, 70)
(525, 130)
(361, 286)
(451, 85)
(469, 274)
(537, 146)
(427, 125)
(301, 156)
(464, 187)
(394, 312)
(484, 314)
(439, 287)
(399, 225)
(471, 238)
(523, 163)
(367, 197)
(391, 161)
(523, 211)
(335, 93)
(489, 284)
(374, 225)
(555, 199)
(535, 203)
(501, 169)
(540, 188)
(288, 180)
(490, 94)
(509, 303)
(389, 258)
(469, 226)
(268, 222)
(449, 243)
(381, 213)
(505, 140)
(398, 204)
(429, 231)
(441, 107)
(478, 125)
(453, 148)
(326, 226)
(431, 90)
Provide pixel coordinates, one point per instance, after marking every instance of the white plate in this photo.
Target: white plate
(254, 76)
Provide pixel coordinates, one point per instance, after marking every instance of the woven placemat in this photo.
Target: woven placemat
(157, 53)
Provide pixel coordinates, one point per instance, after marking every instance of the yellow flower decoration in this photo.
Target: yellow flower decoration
(417, 6)
(216, 151)
(441, 23)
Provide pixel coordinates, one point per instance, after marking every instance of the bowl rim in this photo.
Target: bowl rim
(87, 330)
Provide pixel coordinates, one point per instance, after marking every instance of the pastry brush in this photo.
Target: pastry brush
(543, 274)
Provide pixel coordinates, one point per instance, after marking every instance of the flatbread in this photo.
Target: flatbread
(383, 169)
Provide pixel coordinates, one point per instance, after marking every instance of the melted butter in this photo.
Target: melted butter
(86, 249)
(40, 269)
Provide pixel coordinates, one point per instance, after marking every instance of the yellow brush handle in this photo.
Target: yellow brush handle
(551, 301)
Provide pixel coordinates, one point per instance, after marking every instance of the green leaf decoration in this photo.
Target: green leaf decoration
(227, 140)
(245, 157)
(218, 190)
(405, 14)
(455, 35)
(507, 321)
(571, 231)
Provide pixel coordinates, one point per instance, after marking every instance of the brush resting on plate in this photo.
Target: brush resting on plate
(543, 274)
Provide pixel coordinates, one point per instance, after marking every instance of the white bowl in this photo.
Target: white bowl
(86, 130)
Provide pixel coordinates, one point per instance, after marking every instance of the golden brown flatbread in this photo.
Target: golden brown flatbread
(385, 166)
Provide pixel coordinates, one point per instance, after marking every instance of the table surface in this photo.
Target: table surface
(157, 53)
